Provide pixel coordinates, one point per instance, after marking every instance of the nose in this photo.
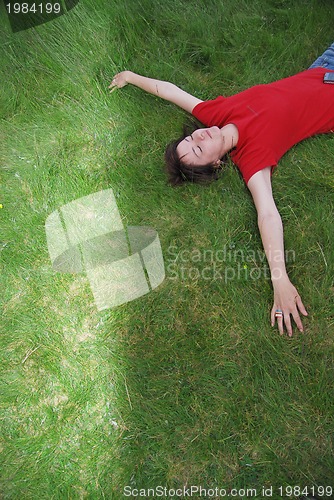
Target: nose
(199, 135)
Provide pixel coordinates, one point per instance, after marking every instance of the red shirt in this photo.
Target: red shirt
(271, 118)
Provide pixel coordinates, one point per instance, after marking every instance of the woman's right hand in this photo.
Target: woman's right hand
(119, 80)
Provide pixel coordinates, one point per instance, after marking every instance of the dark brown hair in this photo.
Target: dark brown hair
(179, 172)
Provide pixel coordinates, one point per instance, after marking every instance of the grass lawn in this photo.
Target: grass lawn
(189, 384)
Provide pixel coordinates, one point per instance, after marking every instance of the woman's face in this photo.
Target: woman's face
(203, 147)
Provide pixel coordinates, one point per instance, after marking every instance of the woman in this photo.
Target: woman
(256, 127)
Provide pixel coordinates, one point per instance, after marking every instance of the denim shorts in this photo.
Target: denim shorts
(326, 60)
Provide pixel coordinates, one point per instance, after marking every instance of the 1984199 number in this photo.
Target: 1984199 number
(293, 491)
(35, 8)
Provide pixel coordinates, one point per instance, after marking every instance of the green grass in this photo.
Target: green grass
(188, 385)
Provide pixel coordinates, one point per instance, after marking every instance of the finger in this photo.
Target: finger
(272, 316)
(288, 325)
(280, 325)
(301, 306)
(113, 89)
(297, 320)
(280, 321)
(113, 82)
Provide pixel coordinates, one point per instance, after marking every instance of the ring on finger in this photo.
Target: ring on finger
(278, 313)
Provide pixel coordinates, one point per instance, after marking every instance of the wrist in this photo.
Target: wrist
(129, 76)
(278, 275)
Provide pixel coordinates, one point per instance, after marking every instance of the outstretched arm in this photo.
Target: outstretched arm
(286, 297)
(165, 90)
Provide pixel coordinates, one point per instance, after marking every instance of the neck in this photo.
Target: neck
(230, 136)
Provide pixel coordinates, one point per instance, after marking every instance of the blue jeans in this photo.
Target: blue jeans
(326, 60)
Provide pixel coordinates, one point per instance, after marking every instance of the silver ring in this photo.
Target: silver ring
(278, 313)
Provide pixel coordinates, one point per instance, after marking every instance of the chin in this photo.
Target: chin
(215, 130)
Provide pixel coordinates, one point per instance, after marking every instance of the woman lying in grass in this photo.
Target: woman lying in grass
(256, 127)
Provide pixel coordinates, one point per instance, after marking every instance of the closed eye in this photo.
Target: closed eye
(193, 148)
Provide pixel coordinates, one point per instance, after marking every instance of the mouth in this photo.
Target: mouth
(209, 134)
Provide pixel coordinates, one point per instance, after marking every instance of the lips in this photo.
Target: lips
(209, 134)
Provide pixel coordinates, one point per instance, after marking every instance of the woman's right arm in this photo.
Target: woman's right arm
(165, 90)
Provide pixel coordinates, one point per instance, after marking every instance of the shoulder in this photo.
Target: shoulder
(211, 111)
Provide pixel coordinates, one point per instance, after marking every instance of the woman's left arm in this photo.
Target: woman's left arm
(286, 297)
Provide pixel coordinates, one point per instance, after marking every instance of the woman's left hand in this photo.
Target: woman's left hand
(288, 301)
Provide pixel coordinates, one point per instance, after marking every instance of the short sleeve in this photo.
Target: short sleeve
(210, 112)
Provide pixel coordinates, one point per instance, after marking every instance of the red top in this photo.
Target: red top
(272, 118)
